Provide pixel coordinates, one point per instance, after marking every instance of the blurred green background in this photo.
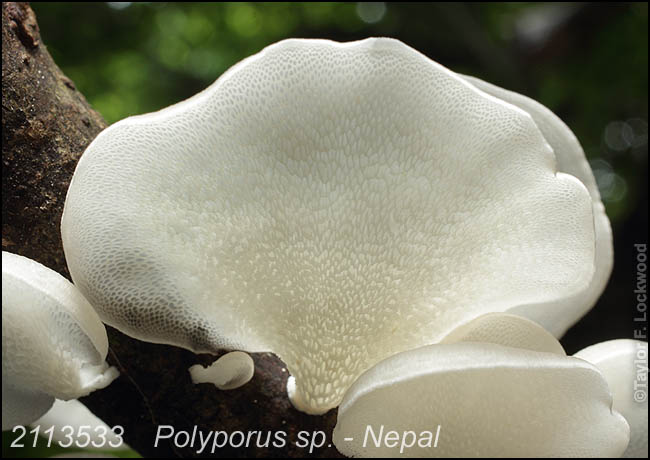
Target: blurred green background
(587, 62)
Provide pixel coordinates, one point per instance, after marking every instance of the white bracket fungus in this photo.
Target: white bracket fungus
(53, 343)
(489, 401)
(333, 203)
(231, 371)
(624, 364)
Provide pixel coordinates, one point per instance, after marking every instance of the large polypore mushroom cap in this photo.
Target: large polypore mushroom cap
(332, 203)
(53, 342)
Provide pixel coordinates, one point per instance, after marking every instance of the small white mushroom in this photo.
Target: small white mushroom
(231, 371)
(53, 343)
(558, 315)
(333, 203)
(489, 401)
(624, 364)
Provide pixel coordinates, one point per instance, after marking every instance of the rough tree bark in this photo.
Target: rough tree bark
(46, 125)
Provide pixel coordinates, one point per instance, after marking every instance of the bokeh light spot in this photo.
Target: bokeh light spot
(612, 187)
(119, 5)
(618, 136)
(371, 12)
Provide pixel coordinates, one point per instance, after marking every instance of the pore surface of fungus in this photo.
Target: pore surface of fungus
(53, 343)
(558, 315)
(507, 330)
(334, 203)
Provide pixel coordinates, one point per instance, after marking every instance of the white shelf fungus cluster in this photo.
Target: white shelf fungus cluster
(500, 386)
(53, 343)
(347, 206)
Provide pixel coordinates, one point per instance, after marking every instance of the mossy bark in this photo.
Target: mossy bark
(46, 125)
